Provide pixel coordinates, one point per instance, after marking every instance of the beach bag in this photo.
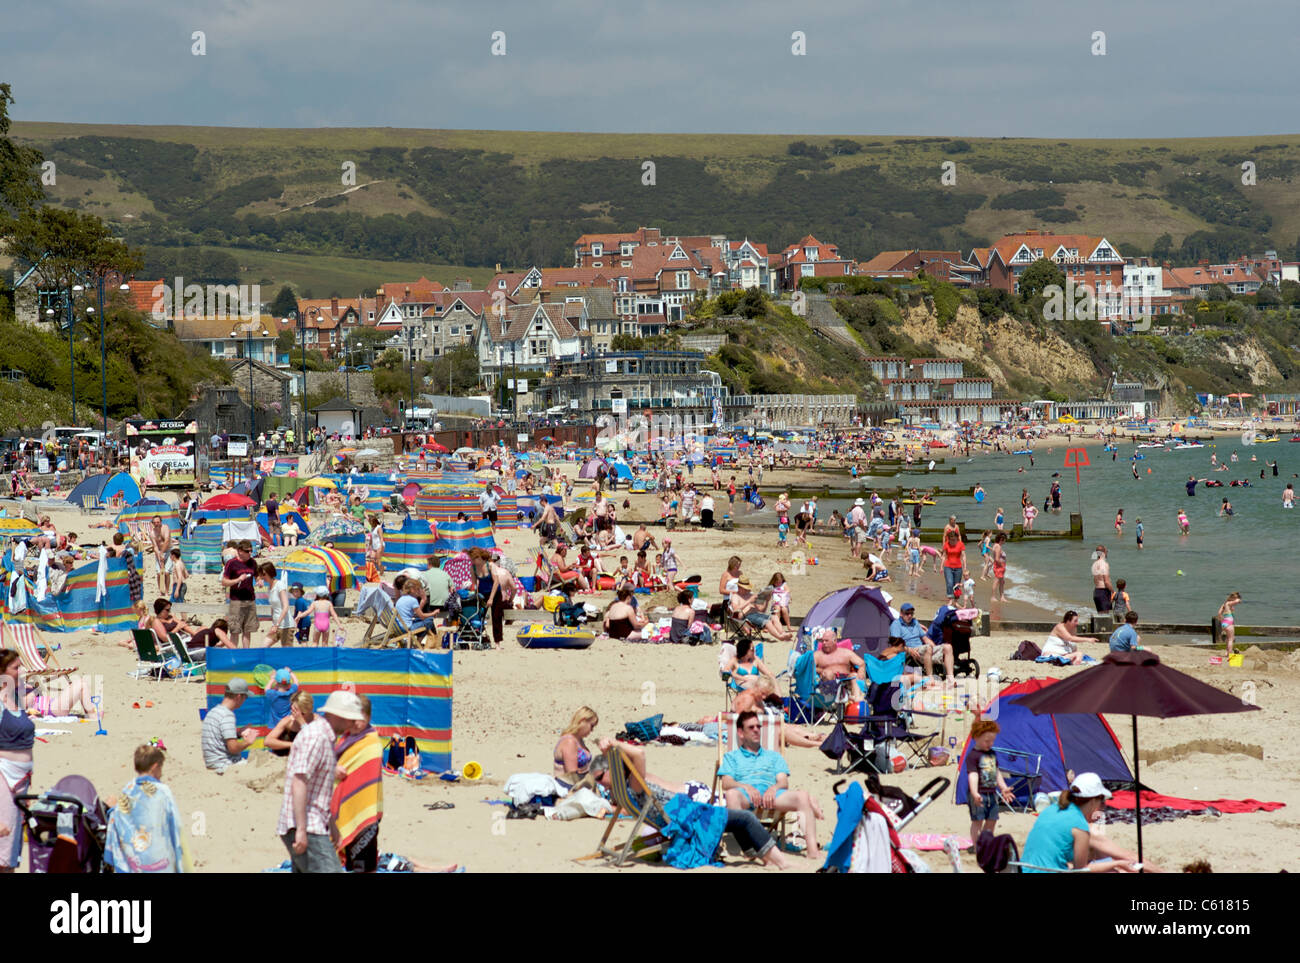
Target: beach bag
(1026, 651)
(647, 730)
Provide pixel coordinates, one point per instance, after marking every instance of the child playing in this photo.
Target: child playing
(279, 695)
(319, 614)
(144, 829)
(623, 576)
(1139, 533)
(984, 782)
(300, 605)
(968, 593)
(782, 530)
(1119, 601)
(1184, 525)
(1228, 621)
(669, 561)
(914, 554)
(999, 519)
(180, 576)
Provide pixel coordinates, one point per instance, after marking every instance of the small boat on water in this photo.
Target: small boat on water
(1150, 445)
(1186, 445)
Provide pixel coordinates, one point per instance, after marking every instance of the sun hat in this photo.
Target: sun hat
(283, 675)
(858, 502)
(1087, 785)
(322, 592)
(344, 705)
(744, 582)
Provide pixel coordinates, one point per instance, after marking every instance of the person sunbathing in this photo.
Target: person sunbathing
(744, 605)
(571, 757)
(622, 620)
(755, 841)
(745, 666)
(763, 693)
(834, 662)
(566, 571)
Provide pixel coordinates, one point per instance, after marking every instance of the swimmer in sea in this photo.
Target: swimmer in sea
(1000, 518)
(1119, 523)
(1139, 533)
(1225, 510)
(1135, 471)
(1288, 497)
(1184, 525)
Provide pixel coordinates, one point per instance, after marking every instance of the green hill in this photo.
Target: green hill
(436, 199)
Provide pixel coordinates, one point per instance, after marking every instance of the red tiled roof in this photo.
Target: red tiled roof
(1086, 244)
(421, 290)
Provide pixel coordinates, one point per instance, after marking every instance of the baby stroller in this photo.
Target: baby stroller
(887, 804)
(67, 828)
(473, 614)
(946, 627)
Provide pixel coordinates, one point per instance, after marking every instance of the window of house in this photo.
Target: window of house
(597, 250)
(625, 249)
(683, 279)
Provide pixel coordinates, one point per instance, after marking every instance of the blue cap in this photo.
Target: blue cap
(283, 675)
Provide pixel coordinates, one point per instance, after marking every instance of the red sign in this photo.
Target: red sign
(1076, 458)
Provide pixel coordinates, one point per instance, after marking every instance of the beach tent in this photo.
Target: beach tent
(105, 488)
(589, 467)
(622, 470)
(409, 689)
(1078, 743)
(859, 613)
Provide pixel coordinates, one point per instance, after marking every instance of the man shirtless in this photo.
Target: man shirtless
(642, 538)
(160, 536)
(834, 663)
(1102, 587)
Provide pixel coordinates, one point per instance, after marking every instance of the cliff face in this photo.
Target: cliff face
(1008, 349)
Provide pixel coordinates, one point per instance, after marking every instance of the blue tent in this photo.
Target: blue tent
(860, 613)
(622, 470)
(104, 487)
(1077, 743)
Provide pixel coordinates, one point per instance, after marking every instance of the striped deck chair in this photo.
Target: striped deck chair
(623, 779)
(89, 504)
(772, 736)
(29, 651)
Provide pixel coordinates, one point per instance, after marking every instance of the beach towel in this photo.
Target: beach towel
(358, 800)
(931, 842)
(1154, 800)
(695, 831)
(884, 671)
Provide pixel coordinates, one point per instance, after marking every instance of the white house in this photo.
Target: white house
(530, 337)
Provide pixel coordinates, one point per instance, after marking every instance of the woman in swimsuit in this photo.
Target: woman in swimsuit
(1227, 621)
(999, 561)
(571, 757)
(17, 736)
(746, 667)
(622, 620)
(986, 549)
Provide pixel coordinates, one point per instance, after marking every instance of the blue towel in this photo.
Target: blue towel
(695, 830)
(805, 675)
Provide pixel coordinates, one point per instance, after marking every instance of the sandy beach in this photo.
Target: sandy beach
(510, 705)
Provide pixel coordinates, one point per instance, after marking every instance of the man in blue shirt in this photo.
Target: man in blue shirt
(919, 645)
(1126, 638)
(757, 778)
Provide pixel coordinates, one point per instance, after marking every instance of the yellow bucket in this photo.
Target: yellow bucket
(1234, 660)
(472, 771)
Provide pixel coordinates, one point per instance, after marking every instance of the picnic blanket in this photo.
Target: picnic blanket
(1124, 800)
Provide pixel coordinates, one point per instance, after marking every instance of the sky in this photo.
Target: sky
(1170, 68)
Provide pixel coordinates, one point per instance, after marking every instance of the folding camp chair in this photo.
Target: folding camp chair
(148, 660)
(888, 725)
(29, 645)
(814, 701)
(546, 577)
(623, 779)
(191, 668)
(1023, 772)
(771, 736)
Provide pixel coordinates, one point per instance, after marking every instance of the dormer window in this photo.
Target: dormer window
(597, 249)
(625, 249)
(810, 253)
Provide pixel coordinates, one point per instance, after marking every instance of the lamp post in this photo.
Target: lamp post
(410, 364)
(248, 356)
(300, 324)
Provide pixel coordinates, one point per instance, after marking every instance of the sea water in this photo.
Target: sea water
(1251, 552)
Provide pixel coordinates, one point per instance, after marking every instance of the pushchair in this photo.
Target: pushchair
(880, 804)
(67, 827)
(472, 632)
(946, 627)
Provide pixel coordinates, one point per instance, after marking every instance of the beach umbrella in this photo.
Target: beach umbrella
(335, 526)
(367, 453)
(547, 438)
(320, 566)
(18, 528)
(434, 446)
(319, 483)
(228, 500)
(1133, 684)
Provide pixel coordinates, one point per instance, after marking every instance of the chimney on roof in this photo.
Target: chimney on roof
(334, 307)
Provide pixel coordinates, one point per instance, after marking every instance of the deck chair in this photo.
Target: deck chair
(91, 504)
(547, 577)
(149, 662)
(771, 737)
(623, 778)
(29, 646)
(395, 635)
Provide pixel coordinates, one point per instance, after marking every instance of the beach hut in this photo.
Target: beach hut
(1048, 745)
(859, 613)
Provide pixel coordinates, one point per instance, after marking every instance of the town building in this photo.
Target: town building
(947, 266)
(1085, 259)
(811, 258)
(623, 382)
(227, 339)
(530, 338)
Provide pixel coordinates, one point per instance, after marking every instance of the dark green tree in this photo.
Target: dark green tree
(20, 182)
(1038, 276)
(285, 303)
(1163, 248)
